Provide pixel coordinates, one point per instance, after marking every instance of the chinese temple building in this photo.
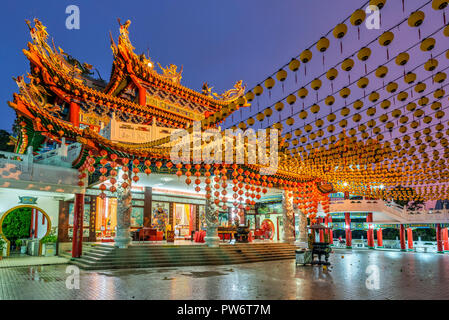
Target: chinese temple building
(94, 161)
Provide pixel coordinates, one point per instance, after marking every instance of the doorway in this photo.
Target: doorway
(22, 224)
(184, 220)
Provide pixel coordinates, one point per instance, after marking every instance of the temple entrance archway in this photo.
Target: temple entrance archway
(24, 221)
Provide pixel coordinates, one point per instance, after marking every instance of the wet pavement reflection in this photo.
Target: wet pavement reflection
(363, 274)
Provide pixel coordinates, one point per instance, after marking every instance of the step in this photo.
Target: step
(198, 258)
(99, 256)
(146, 264)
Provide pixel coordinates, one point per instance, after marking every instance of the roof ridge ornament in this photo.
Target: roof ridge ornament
(171, 72)
(230, 95)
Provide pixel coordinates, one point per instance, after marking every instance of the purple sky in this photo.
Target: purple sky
(224, 41)
(217, 41)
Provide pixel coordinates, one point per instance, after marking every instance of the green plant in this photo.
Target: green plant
(222, 216)
(51, 237)
(18, 243)
(17, 223)
(2, 246)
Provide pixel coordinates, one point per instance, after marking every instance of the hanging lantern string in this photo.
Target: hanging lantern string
(377, 103)
(382, 166)
(312, 45)
(348, 57)
(352, 55)
(378, 89)
(353, 82)
(422, 129)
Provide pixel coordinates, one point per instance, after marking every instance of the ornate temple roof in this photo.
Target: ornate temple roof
(141, 70)
(136, 92)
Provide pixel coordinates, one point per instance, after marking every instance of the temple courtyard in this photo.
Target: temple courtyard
(353, 274)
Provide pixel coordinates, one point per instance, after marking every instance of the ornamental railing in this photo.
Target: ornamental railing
(62, 156)
(23, 171)
(24, 162)
(402, 214)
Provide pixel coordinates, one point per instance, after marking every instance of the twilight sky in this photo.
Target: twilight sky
(224, 41)
(217, 41)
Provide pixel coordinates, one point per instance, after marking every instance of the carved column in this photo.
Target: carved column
(148, 199)
(77, 240)
(288, 218)
(75, 114)
(302, 222)
(211, 215)
(124, 207)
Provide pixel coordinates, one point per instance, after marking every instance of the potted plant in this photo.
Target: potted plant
(18, 243)
(49, 243)
(23, 247)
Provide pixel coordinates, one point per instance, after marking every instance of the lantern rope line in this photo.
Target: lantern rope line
(375, 90)
(403, 157)
(379, 170)
(350, 56)
(377, 103)
(350, 84)
(349, 116)
(429, 114)
(318, 163)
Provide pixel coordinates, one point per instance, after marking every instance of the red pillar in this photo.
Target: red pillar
(326, 224)
(439, 239)
(32, 223)
(348, 230)
(410, 239)
(77, 240)
(331, 235)
(36, 223)
(320, 220)
(402, 237)
(380, 243)
(75, 114)
(277, 227)
(142, 96)
(445, 240)
(370, 233)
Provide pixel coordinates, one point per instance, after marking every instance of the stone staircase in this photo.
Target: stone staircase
(104, 256)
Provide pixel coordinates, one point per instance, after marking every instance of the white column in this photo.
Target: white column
(288, 218)
(302, 239)
(211, 215)
(124, 207)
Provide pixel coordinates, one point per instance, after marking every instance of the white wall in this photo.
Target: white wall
(41, 227)
(48, 202)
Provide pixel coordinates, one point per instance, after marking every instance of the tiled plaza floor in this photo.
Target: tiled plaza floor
(402, 275)
(24, 260)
